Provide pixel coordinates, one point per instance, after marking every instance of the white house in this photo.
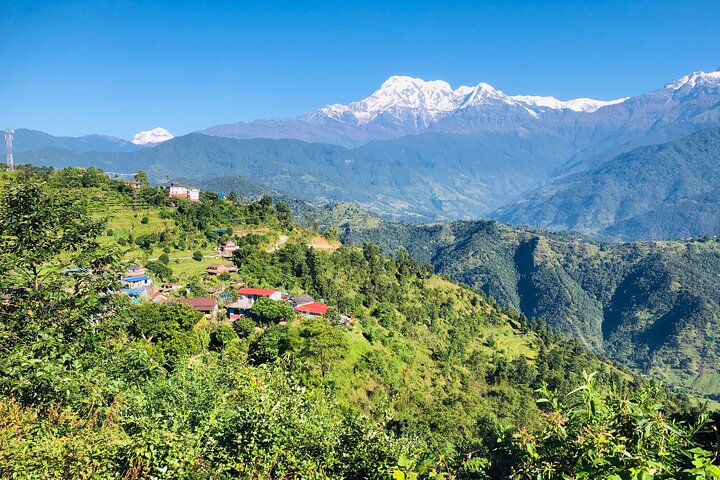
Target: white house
(177, 190)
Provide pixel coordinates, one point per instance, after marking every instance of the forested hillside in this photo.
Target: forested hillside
(665, 191)
(651, 305)
(406, 375)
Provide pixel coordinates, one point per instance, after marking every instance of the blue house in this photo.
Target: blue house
(139, 282)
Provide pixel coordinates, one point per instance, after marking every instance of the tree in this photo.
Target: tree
(38, 228)
(49, 316)
(164, 258)
(284, 214)
(141, 177)
(274, 341)
(272, 310)
(322, 343)
(197, 256)
(160, 269)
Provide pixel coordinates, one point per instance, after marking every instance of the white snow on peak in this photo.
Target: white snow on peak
(576, 104)
(694, 79)
(156, 135)
(427, 100)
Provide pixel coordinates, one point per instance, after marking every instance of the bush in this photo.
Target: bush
(144, 220)
(222, 336)
(271, 345)
(164, 258)
(272, 310)
(197, 256)
(244, 326)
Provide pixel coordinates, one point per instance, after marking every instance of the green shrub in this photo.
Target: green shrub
(272, 310)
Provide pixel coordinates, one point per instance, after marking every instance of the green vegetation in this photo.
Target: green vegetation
(272, 311)
(650, 305)
(418, 378)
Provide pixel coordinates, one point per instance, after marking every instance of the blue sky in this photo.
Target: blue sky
(72, 68)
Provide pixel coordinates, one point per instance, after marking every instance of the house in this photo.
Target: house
(158, 297)
(240, 308)
(216, 290)
(208, 306)
(169, 287)
(177, 190)
(134, 270)
(135, 293)
(314, 309)
(255, 293)
(137, 282)
(297, 300)
(134, 184)
(227, 248)
(218, 268)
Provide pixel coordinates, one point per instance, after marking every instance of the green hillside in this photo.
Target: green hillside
(650, 305)
(407, 375)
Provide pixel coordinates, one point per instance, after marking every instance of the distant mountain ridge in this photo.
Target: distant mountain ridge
(418, 178)
(406, 106)
(656, 192)
(26, 140)
(423, 151)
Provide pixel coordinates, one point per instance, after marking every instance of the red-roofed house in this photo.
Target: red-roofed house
(314, 309)
(255, 293)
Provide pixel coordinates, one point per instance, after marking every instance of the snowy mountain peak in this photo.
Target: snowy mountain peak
(694, 79)
(148, 137)
(404, 98)
(576, 104)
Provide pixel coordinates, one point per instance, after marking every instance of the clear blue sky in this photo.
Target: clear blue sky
(71, 68)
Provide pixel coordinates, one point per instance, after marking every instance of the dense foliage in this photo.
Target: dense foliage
(409, 375)
(653, 305)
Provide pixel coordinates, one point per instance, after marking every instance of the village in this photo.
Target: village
(222, 302)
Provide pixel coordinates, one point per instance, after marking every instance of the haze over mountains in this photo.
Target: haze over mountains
(424, 151)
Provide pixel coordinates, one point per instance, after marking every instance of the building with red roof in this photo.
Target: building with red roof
(314, 309)
(255, 293)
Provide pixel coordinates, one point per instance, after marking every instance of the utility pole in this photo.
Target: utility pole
(8, 141)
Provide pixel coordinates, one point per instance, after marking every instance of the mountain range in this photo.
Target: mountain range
(424, 151)
(655, 192)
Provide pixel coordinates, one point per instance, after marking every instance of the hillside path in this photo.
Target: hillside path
(281, 241)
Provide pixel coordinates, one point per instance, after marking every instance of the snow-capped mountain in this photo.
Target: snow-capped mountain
(150, 137)
(408, 106)
(576, 104)
(404, 97)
